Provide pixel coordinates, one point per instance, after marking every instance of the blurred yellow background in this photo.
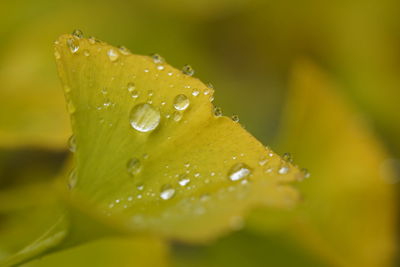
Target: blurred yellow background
(319, 79)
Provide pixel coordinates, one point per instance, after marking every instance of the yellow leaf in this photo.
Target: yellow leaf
(348, 212)
(150, 149)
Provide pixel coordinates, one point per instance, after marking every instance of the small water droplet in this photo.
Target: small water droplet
(183, 180)
(195, 92)
(160, 67)
(181, 102)
(124, 50)
(210, 85)
(92, 40)
(71, 107)
(287, 157)
(157, 58)
(132, 90)
(177, 116)
(197, 174)
(77, 33)
(235, 118)
(217, 111)
(167, 192)
(239, 171)
(134, 166)
(86, 53)
(73, 45)
(72, 179)
(140, 187)
(284, 169)
(112, 54)
(263, 161)
(188, 70)
(306, 173)
(72, 144)
(144, 117)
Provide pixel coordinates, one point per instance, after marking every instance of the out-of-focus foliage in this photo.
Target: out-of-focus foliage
(247, 49)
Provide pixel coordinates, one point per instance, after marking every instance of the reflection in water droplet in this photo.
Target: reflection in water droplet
(112, 54)
(72, 144)
(188, 70)
(134, 166)
(239, 171)
(181, 102)
(144, 117)
(167, 192)
(73, 45)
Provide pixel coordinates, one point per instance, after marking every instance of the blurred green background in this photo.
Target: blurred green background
(265, 60)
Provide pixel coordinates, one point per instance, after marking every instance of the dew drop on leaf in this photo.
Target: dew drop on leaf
(284, 169)
(235, 118)
(134, 166)
(217, 111)
(73, 45)
(72, 179)
(181, 102)
(167, 192)
(239, 171)
(183, 180)
(77, 33)
(188, 70)
(112, 54)
(177, 116)
(144, 117)
(72, 144)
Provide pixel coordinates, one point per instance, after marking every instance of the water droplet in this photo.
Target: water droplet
(132, 90)
(235, 118)
(239, 171)
(210, 85)
(306, 173)
(177, 116)
(263, 161)
(72, 179)
(86, 53)
(77, 33)
(183, 180)
(134, 166)
(124, 50)
(112, 54)
(157, 58)
(71, 107)
(197, 175)
(72, 144)
(181, 102)
(195, 92)
(160, 67)
(188, 70)
(92, 40)
(140, 187)
(73, 45)
(217, 111)
(287, 157)
(167, 192)
(144, 117)
(284, 169)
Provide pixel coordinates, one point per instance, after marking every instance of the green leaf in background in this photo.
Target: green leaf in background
(151, 149)
(110, 252)
(348, 212)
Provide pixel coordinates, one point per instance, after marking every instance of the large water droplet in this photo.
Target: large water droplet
(72, 144)
(239, 171)
(144, 117)
(73, 45)
(188, 70)
(181, 102)
(167, 192)
(112, 54)
(134, 166)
